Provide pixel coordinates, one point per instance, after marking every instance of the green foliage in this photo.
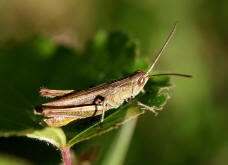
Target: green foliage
(26, 66)
(118, 149)
(11, 160)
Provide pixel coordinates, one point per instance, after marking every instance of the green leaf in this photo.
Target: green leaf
(115, 119)
(26, 66)
(54, 136)
(12, 160)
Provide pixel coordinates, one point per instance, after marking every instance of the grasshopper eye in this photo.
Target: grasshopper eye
(141, 81)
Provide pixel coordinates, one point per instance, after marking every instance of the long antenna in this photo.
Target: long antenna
(162, 49)
(171, 74)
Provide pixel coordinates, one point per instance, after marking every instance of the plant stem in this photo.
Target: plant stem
(66, 155)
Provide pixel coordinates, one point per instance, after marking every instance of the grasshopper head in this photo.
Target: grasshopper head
(139, 80)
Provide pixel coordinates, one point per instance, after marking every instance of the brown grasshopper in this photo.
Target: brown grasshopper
(71, 105)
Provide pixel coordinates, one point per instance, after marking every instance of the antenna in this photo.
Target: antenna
(171, 74)
(162, 49)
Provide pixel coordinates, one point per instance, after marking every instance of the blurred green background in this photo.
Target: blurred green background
(192, 128)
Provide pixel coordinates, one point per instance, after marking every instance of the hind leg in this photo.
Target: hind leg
(50, 93)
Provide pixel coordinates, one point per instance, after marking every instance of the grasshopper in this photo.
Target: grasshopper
(71, 105)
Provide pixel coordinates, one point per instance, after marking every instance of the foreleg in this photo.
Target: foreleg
(152, 109)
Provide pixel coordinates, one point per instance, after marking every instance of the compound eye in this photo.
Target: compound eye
(141, 81)
(138, 71)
